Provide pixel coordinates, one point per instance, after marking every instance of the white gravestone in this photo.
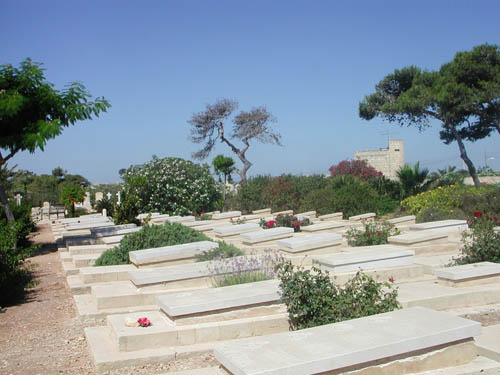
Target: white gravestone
(18, 199)
(109, 195)
(98, 196)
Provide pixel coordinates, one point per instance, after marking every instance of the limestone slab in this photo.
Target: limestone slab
(180, 219)
(111, 229)
(89, 225)
(496, 229)
(310, 214)
(332, 216)
(144, 216)
(226, 215)
(415, 237)
(382, 256)
(162, 275)
(459, 224)
(233, 230)
(369, 215)
(469, 271)
(266, 235)
(211, 226)
(403, 219)
(170, 253)
(285, 212)
(309, 242)
(87, 249)
(340, 345)
(264, 211)
(212, 299)
(85, 260)
(101, 274)
(121, 232)
(197, 223)
(323, 226)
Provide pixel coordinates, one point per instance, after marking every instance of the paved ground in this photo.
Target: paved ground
(43, 334)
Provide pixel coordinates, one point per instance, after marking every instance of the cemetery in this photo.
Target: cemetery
(302, 261)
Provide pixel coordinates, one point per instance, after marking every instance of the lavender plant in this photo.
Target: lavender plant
(244, 269)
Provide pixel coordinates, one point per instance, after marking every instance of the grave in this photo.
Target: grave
(233, 231)
(326, 226)
(144, 216)
(170, 255)
(197, 223)
(309, 214)
(366, 258)
(226, 215)
(425, 241)
(102, 232)
(88, 249)
(469, 274)
(441, 224)
(331, 217)
(267, 236)
(190, 319)
(397, 342)
(321, 243)
(367, 216)
(263, 212)
(402, 222)
(180, 219)
(286, 212)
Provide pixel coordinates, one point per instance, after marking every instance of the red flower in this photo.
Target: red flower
(379, 233)
(368, 234)
(478, 214)
(144, 322)
(278, 215)
(296, 224)
(391, 279)
(495, 218)
(270, 223)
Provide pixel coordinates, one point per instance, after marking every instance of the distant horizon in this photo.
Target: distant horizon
(310, 64)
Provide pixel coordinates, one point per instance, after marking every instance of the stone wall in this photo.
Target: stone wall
(386, 160)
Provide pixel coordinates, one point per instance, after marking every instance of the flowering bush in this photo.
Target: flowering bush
(447, 198)
(373, 233)
(281, 194)
(481, 243)
(70, 195)
(244, 269)
(357, 168)
(172, 185)
(312, 299)
(288, 221)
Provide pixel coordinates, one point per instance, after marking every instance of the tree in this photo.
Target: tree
(413, 179)
(224, 166)
(70, 195)
(357, 168)
(32, 111)
(464, 96)
(208, 127)
(59, 173)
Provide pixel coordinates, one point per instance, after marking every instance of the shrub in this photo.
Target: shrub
(281, 195)
(438, 213)
(249, 196)
(482, 243)
(448, 198)
(312, 299)
(356, 168)
(373, 233)
(242, 270)
(172, 185)
(488, 202)
(14, 249)
(105, 204)
(386, 187)
(224, 250)
(126, 212)
(287, 221)
(349, 195)
(149, 237)
(71, 194)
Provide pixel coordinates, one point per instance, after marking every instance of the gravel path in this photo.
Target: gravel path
(44, 335)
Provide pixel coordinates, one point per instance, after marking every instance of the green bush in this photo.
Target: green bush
(224, 250)
(373, 233)
(438, 213)
(312, 299)
(447, 198)
(249, 196)
(105, 204)
(14, 249)
(173, 186)
(482, 243)
(127, 211)
(487, 202)
(151, 237)
(349, 195)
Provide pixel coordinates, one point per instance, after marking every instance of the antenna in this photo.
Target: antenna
(388, 134)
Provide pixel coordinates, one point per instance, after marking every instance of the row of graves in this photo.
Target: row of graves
(162, 305)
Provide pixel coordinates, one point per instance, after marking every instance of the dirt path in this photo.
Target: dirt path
(43, 335)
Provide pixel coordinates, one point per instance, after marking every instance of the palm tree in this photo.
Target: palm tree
(413, 180)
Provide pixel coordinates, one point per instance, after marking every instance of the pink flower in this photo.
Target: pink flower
(270, 223)
(495, 218)
(144, 322)
(296, 224)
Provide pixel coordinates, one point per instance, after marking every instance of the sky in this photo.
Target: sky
(309, 63)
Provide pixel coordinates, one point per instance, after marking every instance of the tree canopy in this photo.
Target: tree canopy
(32, 111)
(464, 95)
(208, 126)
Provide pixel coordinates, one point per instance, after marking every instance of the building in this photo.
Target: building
(386, 160)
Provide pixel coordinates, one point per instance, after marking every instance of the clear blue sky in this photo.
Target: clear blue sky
(308, 62)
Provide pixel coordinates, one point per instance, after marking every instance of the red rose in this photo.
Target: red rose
(368, 234)
(379, 233)
(296, 224)
(391, 279)
(478, 214)
(495, 218)
(144, 322)
(278, 215)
